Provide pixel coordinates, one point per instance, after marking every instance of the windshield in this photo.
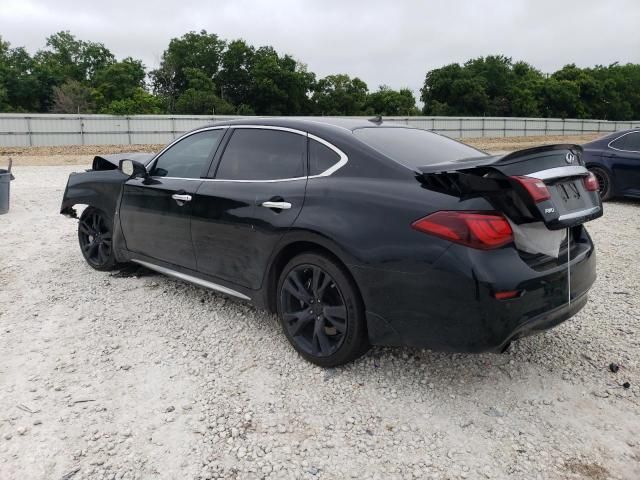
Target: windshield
(414, 147)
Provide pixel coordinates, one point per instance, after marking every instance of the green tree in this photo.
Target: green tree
(118, 81)
(202, 51)
(20, 86)
(340, 95)
(387, 101)
(199, 98)
(279, 85)
(140, 102)
(72, 97)
(234, 79)
(73, 59)
(562, 97)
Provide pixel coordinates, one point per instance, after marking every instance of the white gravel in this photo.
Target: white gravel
(122, 377)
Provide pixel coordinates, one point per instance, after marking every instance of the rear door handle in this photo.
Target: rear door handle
(277, 205)
(181, 198)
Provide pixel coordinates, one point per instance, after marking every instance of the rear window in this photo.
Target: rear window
(414, 147)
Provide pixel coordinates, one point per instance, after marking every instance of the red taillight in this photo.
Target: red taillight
(536, 188)
(591, 183)
(483, 230)
(506, 295)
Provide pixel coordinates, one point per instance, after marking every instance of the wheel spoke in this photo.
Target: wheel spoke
(84, 228)
(294, 286)
(297, 321)
(320, 342)
(338, 311)
(103, 252)
(95, 223)
(93, 247)
(320, 282)
(339, 325)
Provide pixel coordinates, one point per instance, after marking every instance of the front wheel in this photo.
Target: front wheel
(95, 235)
(320, 310)
(604, 182)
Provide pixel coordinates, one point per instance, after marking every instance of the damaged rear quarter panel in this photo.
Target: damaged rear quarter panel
(99, 189)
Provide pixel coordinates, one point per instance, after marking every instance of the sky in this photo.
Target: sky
(392, 42)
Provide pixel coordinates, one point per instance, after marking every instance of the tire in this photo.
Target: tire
(95, 236)
(328, 333)
(604, 182)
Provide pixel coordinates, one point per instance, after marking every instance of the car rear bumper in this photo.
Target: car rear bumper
(452, 307)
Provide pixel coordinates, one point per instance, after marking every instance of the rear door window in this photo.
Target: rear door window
(414, 147)
(629, 142)
(321, 158)
(261, 154)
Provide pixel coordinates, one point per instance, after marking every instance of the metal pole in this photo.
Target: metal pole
(546, 126)
(504, 127)
(129, 129)
(29, 133)
(173, 127)
(525, 127)
(483, 128)
(460, 125)
(81, 130)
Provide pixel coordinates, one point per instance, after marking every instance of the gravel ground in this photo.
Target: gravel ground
(83, 154)
(135, 375)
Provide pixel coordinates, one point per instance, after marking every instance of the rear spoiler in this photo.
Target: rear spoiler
(540, 153)
(500, 179)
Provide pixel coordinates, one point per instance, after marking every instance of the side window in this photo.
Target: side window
(629, 142)
(321, 158)
(189, 157)
(255, 154)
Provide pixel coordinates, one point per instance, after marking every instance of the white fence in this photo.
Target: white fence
(18, 130)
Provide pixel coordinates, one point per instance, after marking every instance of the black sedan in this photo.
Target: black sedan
(355, 232)
(615, 161)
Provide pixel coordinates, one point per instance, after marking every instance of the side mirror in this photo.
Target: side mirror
(133, 168)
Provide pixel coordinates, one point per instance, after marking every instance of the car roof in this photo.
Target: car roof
(612, 136)
(313, 125)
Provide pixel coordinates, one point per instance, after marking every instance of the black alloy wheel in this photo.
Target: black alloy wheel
(604, 182)
(321, 311)
(96, 239)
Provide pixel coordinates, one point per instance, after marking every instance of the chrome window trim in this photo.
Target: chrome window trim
(271, 127)
(334, 168)
(191, 279)
(620, 149)
(568, 171)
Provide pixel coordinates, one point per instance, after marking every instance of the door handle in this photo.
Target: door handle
(181, 198)
(277, 205)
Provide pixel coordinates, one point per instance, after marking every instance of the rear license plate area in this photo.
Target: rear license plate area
(570, 195)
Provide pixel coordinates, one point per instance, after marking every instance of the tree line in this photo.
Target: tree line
(201, 73)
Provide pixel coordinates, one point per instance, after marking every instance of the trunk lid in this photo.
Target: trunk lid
(504, 180)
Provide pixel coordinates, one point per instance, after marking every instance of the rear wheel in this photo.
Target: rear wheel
(95, 235)
(604, 182)
(321, 311)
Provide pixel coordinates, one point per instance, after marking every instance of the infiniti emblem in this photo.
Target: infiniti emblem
(570, 157)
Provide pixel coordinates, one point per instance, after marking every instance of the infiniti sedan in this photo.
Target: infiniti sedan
(354, 232)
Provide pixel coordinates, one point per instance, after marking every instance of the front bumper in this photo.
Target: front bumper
(452, 307)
